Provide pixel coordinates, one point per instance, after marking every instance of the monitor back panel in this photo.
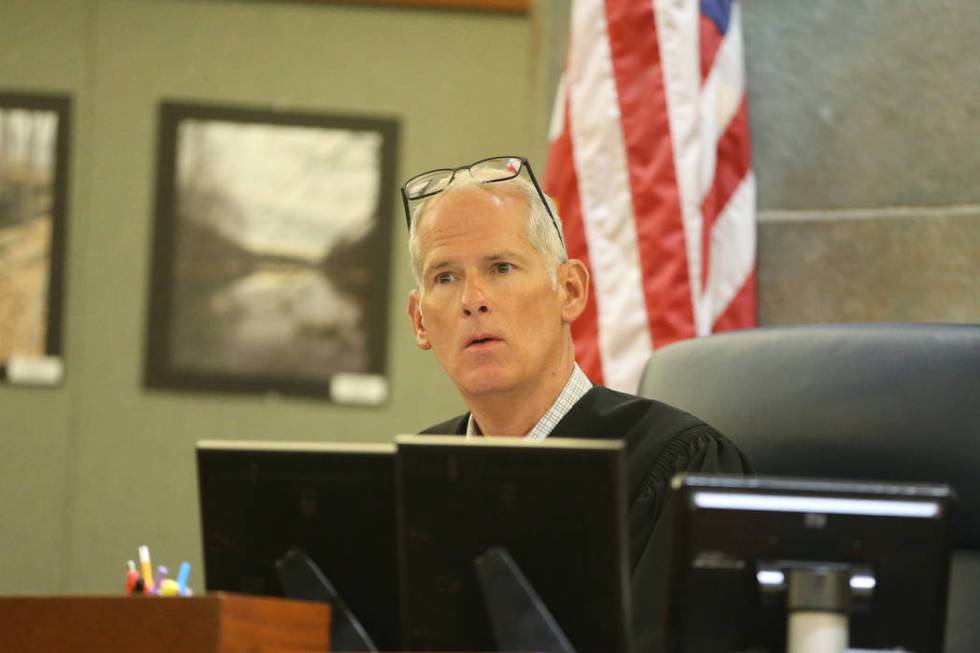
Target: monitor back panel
(336, 502)
(558, 507)
(722, 537)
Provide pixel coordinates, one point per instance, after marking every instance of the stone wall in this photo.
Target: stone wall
(865, 120)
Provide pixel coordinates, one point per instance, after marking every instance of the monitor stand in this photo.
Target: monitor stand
(519, 619)
(820, 598)
(301, 578)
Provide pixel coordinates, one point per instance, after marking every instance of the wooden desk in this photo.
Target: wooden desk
(214, 623)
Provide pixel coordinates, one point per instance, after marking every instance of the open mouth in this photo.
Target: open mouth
(481, 340)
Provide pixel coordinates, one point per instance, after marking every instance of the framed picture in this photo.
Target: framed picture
(271, 253)
(512, 6)
(34, 135)
(507, 6)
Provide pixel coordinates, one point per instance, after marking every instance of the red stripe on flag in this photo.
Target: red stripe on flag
(733, 162)
(711, 40)
(656, 202)
(741, 311)
(561, 182)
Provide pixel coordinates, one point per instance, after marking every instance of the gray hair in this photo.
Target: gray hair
(540, 231)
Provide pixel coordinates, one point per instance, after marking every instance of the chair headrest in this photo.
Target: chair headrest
(869, 401)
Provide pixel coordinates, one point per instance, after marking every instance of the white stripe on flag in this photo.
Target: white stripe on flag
(607, 207)
(732, 249)
(721, 96)
(677, 24)
(557, 124)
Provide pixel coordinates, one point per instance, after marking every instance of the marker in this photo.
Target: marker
(182, 576)
(162, 573)
(132, 576)
(146, 569)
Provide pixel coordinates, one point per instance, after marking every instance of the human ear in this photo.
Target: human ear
(415, 315)
(573, 286)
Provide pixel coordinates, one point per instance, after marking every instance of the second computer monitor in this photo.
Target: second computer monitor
(557, 506)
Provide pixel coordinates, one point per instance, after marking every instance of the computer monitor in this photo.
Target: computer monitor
(749, 552)
(334, 500)
(557, 506)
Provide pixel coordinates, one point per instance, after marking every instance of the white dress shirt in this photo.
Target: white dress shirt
(575, 388)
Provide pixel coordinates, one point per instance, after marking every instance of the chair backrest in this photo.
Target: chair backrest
(859, 401)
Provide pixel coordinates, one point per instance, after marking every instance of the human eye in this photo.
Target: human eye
(443, 278)
(503, 267)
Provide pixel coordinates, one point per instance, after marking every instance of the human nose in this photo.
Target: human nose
(474, 300)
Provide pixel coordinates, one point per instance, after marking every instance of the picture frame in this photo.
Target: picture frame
(496, 6)
(35, 131)
(271, 252)
(504, 6)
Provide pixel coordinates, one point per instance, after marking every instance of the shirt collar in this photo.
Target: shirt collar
(575, 388)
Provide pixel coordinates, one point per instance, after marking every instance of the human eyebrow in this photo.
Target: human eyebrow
(503, 256)
(437, 266)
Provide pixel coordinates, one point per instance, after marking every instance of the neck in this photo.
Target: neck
(515, 412)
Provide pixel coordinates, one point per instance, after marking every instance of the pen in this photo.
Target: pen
(132, 576)
(182, 576)
(162, 573)
(145, 568)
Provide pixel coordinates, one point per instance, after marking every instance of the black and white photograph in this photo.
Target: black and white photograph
(33, 166)
(271, 254)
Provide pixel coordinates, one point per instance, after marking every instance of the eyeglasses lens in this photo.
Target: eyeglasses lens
(428, 183)
(496, 169)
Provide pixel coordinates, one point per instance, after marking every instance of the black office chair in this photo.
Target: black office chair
(859, 401)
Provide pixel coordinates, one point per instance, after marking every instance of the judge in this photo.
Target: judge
(495, 298)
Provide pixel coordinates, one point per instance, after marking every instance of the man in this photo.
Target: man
(495, 298)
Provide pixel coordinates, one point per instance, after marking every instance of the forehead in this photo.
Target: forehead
(475, 213)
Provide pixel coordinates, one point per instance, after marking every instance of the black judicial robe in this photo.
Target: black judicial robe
(660, 441)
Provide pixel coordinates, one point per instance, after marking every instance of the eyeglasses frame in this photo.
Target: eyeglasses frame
(525, 164)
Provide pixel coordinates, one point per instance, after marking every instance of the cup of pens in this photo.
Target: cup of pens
(142, 581)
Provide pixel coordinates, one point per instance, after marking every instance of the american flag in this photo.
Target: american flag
(650, 164)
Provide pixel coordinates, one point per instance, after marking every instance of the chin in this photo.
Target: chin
(485, 382)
